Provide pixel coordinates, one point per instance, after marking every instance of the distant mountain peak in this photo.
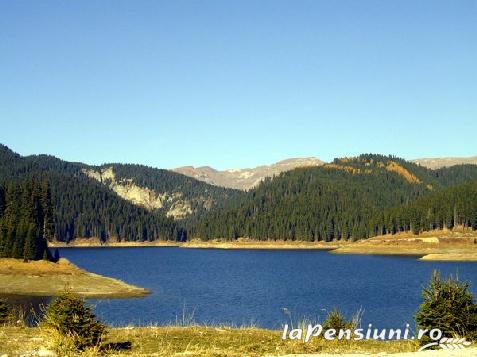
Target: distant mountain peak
(245, 178)
(438, 162)
(312, 161)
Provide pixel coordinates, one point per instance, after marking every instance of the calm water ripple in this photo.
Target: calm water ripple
(243, 287)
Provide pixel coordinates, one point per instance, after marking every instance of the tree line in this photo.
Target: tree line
(455, 206)
(83, 207)
(26, 219)
(350, 199)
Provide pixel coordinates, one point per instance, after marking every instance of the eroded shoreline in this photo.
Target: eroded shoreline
(41, 278)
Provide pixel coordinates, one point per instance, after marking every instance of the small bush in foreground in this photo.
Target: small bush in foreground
(337, 321)
(449, 306)
(73, 323)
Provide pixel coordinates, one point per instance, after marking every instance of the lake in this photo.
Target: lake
(244, 287)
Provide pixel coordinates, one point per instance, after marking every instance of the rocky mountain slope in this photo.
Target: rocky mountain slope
(245, 179)
(174, 194)
(438, 162)
(124, 202)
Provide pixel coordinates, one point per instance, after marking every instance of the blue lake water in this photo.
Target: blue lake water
(243, 287)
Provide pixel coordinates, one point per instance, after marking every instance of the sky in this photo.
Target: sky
(237, 83)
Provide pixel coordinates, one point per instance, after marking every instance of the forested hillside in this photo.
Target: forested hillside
(83, 207)
(341, 200)
(455, 206)
(176, 195)
(350, 198)
(26, 219)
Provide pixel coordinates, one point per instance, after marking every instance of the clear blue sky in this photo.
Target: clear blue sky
(237, 83)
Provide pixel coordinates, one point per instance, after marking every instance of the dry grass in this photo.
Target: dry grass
(39, 267)
(199, 341)
(19, 340)
(244, 243)
(42, 278)
(459, 244)
(451, 257)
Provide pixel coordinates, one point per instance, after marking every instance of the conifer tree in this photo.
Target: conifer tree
(449, 306)
(29, 250)
(22, 222)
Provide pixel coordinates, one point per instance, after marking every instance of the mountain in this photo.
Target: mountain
(349, 198)
(341, 200)
(245, 179)
(176, 195)
(127, 202)
(438, 162)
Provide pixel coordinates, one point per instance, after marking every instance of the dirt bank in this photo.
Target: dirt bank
(41, 278)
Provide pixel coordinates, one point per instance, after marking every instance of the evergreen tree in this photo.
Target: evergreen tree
(29, 250)
(83, 207)
(349, 199)
(70, 317)
(449, 306)
(22, 220)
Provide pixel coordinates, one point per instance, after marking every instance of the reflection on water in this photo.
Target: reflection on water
(27, 308)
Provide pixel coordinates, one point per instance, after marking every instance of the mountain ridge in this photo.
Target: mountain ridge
(439, 162)
(245, 178)
(248, 178)
(294, 199)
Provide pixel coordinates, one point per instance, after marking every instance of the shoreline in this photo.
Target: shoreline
(438, 245)
(443, 245)
(450, 257)
(198, 244)
(95, 243)
(266, 245)
(41, 278)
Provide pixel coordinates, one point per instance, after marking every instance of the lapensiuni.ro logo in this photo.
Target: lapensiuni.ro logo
(435, 335)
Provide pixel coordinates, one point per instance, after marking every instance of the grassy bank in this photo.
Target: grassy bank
(439, 245)
(198, 341)
(42, 278)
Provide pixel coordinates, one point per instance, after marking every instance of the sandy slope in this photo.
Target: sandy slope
(41, 278)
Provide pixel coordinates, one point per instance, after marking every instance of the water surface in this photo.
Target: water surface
(243, 287)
